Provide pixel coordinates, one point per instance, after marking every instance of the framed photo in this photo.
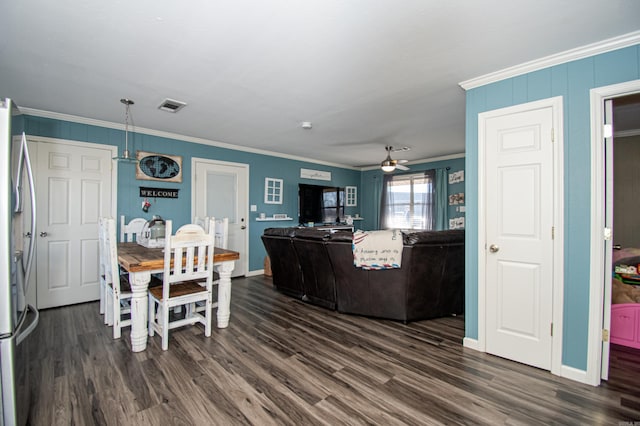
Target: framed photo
(456, 177)
(161, 167)
(456, 198)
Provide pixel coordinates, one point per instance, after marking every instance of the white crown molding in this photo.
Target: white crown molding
(603, 46)
(176, 136)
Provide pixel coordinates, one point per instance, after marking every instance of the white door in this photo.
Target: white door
(221, 190)
(519, 204)
(73, 189)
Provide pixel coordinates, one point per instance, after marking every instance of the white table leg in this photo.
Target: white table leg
(139, 306)
(224, 292)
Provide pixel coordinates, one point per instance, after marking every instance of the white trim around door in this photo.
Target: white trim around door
(597, 281)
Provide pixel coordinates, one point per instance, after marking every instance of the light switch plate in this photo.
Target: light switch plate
(254, 208)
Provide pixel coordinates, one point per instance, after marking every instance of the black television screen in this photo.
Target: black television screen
(320, 204)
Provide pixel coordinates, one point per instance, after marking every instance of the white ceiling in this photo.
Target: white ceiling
(366, 73)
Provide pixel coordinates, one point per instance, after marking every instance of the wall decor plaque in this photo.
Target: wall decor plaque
(162, 167)
(315, 174)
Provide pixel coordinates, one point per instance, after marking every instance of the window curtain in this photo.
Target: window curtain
(442, 200)
(376, 183)
(422, 203)
(429, 202)
(386, 202)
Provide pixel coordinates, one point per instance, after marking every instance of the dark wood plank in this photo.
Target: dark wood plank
(135, 258)
(284, 362)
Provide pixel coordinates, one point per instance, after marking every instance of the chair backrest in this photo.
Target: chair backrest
(189, 242)
(111, 267)
(102, 249)
(131, 231)
(203, 222)
(222, 233)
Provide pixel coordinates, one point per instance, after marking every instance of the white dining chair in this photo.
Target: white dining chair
(221, 241)
(222, 232)
(181, 284)
(130, 232)
(102, 259)
(118, 290)
(202, 222)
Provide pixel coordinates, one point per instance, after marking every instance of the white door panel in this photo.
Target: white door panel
(74, 184)
(519, 222)
(221, 190)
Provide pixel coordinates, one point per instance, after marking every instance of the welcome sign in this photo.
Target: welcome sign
(158, 192)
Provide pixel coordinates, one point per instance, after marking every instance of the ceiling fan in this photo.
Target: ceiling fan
(389, 165)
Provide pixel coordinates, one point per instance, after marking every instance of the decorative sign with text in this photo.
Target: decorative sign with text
(158, 192)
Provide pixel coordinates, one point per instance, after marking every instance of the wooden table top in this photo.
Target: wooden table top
(136, 258)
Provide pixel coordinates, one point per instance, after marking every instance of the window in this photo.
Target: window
(352, 195)
(408, 201)
(272, 191)
(332, 205)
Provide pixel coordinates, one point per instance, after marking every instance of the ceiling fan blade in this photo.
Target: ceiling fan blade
(402, 161)
(401, 167)
(403, 149)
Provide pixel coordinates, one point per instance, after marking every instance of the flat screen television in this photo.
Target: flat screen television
(320, 204)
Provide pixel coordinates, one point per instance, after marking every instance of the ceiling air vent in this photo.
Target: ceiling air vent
(171, 105)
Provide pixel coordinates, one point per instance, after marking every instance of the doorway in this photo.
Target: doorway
(220, 189)
(617, 105)
(75, 185)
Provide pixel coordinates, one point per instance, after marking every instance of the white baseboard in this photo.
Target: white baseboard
(470, 343)
(254, 273)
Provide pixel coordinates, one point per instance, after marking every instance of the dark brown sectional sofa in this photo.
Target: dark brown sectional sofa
(316, 266)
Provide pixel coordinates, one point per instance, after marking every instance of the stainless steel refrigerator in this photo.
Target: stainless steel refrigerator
(18, 319)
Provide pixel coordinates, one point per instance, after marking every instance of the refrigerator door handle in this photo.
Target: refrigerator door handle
(17, 208)
(23, 334)
(32, 192)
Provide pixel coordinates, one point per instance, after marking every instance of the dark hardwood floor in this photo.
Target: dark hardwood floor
(284, 362)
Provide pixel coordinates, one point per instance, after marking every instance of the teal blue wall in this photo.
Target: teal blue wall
(179, 210)
(572, 81)
(371, 182)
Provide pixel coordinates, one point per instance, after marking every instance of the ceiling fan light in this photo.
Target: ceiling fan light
(387, 166)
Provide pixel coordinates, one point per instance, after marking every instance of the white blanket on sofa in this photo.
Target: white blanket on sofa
(377, 249)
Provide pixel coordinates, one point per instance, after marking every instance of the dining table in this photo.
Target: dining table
(141, 262)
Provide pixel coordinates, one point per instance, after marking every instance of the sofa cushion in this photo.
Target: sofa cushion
(433, 237)
(280, 232)
(341, 236)
(312, 234)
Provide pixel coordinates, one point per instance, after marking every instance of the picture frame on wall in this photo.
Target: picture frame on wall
(456, 177)
(158, 167)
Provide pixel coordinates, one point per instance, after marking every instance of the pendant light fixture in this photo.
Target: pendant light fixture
(125, 154)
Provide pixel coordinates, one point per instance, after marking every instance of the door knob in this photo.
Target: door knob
(243, 227)
(493, 248)
(43, 234)
(27, 235)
